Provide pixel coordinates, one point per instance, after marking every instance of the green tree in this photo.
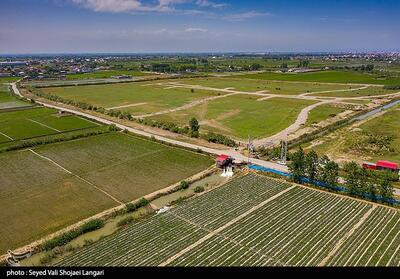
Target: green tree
(328, 171)
(194, 127)
(311, 165)
(356, 179)
(385, 185)
(296, 165)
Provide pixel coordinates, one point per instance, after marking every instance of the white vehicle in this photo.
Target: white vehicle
(163, 209)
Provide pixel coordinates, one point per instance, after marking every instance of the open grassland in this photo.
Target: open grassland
(7, 100)
(364, 92)
(105, 74)
(35, 122)
(355, 143)
(4, 80)
(136, 98)
(38, 198)
(254, 221)
(242, 115)
(120, 164)
(50, 187)
(322, 113)
(329, 77)
(253, 85)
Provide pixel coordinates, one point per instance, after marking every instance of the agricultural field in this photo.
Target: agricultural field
(264, 222)
(329, 77)
(49, 187)
(241, 116)
(38, 198)
(258, 85)
(8, 101)
(364, 92)
(357, 142)
(35, 122)
(119, 163)
(323, 112)
(105, 74)
(136, 98)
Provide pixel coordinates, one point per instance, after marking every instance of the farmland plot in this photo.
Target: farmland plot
(36, 122)
(255, 221)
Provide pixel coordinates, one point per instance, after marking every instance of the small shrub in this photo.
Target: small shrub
(184, 185)
(134, 206)
(125, 221)
(199, 189)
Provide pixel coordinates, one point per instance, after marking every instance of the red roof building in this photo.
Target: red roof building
(224, 160)
(387, 165)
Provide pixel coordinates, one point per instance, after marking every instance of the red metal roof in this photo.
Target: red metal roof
(222, 157)
(388, 165)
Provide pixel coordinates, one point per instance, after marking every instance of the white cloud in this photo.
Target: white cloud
(118, 6)
(207, 3)
(245, 15)
(191, 30)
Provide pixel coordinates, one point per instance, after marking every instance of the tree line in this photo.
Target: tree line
(359, 182)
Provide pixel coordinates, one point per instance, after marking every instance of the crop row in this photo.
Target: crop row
(145, 243)
(290, 230)
(223, 204)
(376, 242)
(301, 227)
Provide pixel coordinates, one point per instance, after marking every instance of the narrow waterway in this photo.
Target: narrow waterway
(375, 111)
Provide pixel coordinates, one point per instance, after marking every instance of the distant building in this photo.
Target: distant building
(12, 63)
(382, 165)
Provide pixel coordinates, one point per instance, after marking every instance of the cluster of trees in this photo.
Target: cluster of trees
(168, 126)
(218, 138)
(361, 182)
(364, 68)
(303, 64)
(312, 167)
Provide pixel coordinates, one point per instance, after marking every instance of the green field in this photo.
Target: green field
(254, 221)
(355, 143)
(253, 85)
(138, 97)
(105, 74)
(322, 113)
(329, 77)
(35, 122)
(120, 164)
(7, 100)
(8, 79)
(370, 91)
(39, 196)
(241, 116)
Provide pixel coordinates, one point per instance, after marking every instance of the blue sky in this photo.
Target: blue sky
(73, 26)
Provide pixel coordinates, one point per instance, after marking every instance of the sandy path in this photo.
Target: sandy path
(127, 106)
(186, 106)
(301, 120)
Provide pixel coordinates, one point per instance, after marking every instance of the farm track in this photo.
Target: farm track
(264, 222)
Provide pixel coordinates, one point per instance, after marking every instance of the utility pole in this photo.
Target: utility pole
(250, 148)
(284, 147)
